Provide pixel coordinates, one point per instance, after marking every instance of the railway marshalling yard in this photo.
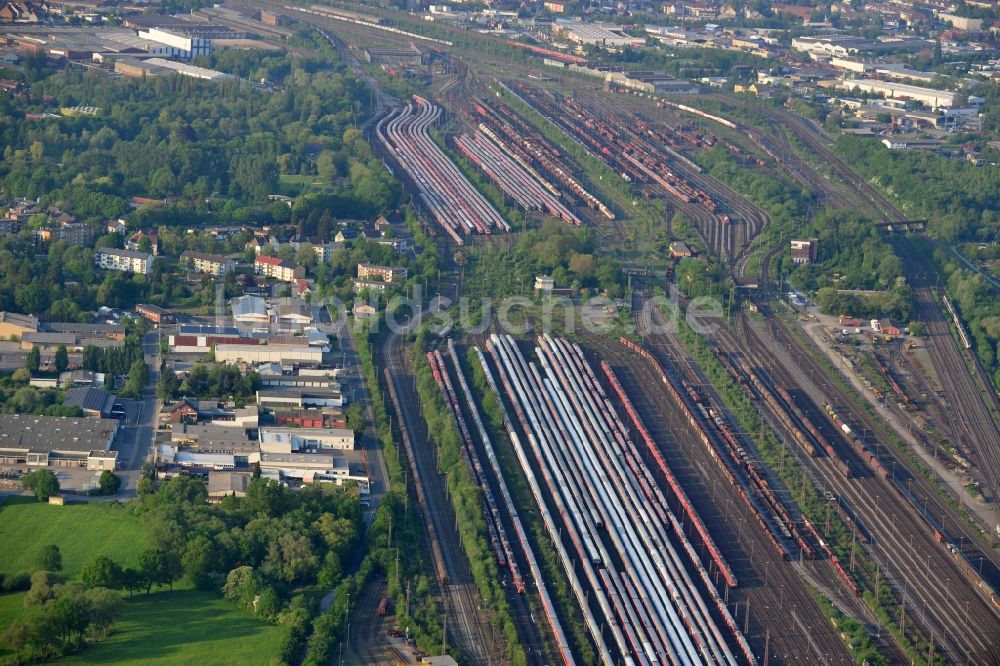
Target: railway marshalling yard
(726, 499)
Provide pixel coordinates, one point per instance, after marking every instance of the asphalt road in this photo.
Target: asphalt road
(355, 389)
(135, 439)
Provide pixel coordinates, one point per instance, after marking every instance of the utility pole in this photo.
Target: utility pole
(854, 537)
(444, 634)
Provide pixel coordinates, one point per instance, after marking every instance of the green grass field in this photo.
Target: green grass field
(11, 608)
(293, 184)
(184, 627)
(81, 531)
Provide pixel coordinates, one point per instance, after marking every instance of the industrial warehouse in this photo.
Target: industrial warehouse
(57, 441)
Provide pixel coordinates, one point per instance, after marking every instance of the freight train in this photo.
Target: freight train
(728, 451)
(454, 203)
(606, 495)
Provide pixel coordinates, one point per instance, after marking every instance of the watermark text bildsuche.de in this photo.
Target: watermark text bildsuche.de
(516, 315)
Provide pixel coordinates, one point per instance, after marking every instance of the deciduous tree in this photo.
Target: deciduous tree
(50, 558)
(42, 482)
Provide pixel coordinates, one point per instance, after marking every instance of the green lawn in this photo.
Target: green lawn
(11, 608)
(184, 627)
(293, 184)
(80, 530)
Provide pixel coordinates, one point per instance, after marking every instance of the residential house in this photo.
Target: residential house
(278, 269)
(180, 411)
(134, 241)
(346, 234)
(373, 286)
(383, 273)
(126, 261)
(116, 227)
(213, 264)
(364, 310)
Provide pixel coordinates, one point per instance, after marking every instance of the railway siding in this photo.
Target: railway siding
(659, 602)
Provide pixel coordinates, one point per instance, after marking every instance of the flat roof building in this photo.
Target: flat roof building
(211, 438)
(805, 251)
(14, 324)
(295, 440)
(57, 441)
(651, 82)
(597, 35)
(270, 353)
(180, 45)
(185, 69)
(931, 97)
(298, 398)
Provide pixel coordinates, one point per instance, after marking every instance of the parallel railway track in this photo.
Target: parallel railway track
(468, 629)
(772, 603)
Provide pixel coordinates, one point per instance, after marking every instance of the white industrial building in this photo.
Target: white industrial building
(270, 353)
(249, 310)
(272, 375)
(313, 468)
(302, 440)
(299, 398)
(185, 69)
(180, 46)
(598, 35)
(935, 99)
(651, 82)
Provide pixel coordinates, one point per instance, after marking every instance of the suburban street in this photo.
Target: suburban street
(139, 428)
(355, 389)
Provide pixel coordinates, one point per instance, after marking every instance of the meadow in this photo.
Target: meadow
(183, 627)
(80, 530)
(179, 626)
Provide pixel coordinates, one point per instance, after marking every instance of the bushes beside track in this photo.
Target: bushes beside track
(784, 465)
(548, 559)
(394, 514)
(467, 502)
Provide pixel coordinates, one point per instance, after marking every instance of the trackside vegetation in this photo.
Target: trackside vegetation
(467, 501)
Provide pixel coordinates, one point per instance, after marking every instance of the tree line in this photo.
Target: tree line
(960, 202)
